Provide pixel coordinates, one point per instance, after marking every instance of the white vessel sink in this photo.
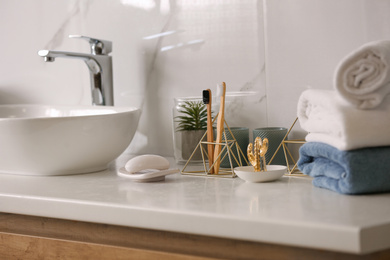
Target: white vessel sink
(63, 140)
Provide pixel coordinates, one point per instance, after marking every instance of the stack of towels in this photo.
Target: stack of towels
(348, 140)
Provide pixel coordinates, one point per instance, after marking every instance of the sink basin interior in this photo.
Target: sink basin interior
(40, 111)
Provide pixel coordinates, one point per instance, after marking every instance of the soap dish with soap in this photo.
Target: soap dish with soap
(146, 168)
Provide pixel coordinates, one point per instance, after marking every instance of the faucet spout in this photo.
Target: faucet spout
(63, 54)
(100, 68)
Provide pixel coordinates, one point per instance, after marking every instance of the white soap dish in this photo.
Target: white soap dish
(147, 175)
(146, 168)
(247, 173)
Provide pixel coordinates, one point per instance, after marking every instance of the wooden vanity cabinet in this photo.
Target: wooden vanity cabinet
(29, 237)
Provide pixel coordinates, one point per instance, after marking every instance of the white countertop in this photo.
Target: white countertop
(289, 211)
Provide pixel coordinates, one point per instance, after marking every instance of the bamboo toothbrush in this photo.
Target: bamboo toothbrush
(210, 136)
(220, 128)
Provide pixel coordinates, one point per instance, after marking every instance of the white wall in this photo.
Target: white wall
(273, 47)
(305, 40)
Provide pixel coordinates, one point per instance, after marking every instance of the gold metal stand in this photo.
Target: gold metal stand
(228, 146)
(287, 152)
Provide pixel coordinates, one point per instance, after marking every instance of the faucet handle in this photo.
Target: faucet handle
(98, 47)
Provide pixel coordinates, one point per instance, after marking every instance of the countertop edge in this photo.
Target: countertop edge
(201, 224)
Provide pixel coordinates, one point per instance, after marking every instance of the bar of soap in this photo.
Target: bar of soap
(146, 161)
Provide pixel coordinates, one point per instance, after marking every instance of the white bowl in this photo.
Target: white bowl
(63, 140)
(247, 173)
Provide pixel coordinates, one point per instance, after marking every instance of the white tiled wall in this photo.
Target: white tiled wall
(275, 48)
(305, 39)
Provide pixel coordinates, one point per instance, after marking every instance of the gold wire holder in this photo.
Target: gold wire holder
(228, 146)
(294, 170)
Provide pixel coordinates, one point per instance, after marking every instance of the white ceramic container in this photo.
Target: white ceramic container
(63, 140)
(248, 173)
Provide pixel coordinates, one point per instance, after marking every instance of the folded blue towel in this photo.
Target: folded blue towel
(358, 171)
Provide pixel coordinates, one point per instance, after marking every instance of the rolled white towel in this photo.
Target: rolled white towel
(363, 76)
(329, 119)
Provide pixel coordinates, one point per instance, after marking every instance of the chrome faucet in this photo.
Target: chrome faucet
(99, 64)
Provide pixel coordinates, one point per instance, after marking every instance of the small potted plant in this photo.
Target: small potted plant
(191, 123)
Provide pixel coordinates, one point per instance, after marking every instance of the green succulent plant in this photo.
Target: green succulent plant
(194, 116)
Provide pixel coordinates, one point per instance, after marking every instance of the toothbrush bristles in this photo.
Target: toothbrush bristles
(219, 91)
(206, 96)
